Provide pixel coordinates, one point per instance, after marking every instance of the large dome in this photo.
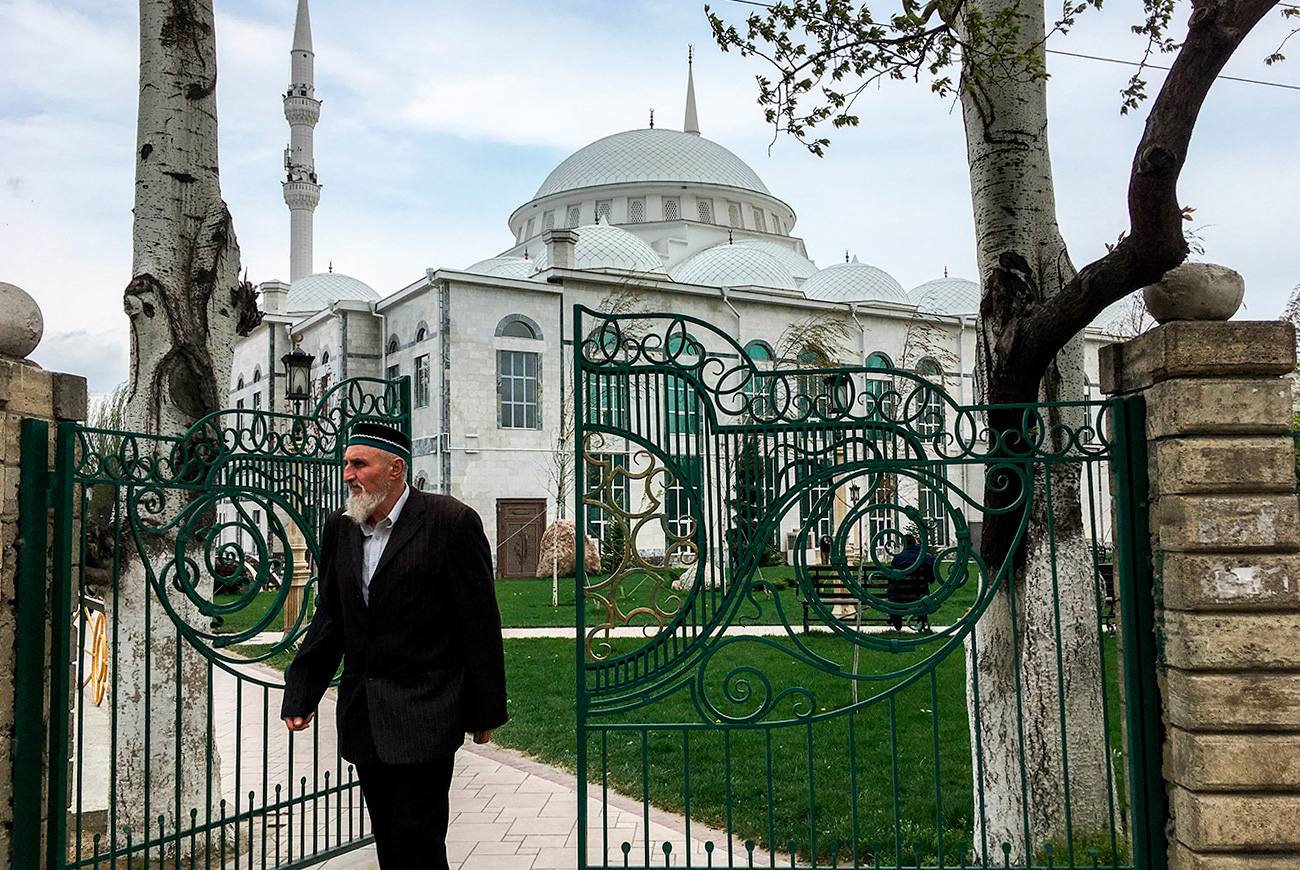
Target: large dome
(314, 292)
(600, 247)
(734, 266)
(648, 156)
(854, 282)
(947, 296)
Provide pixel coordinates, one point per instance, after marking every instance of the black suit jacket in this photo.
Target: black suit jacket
(423, 662)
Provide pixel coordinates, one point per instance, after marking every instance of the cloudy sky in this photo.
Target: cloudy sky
(440, 118)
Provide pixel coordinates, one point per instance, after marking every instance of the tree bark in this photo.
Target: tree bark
(185, 306)
(1023, 692)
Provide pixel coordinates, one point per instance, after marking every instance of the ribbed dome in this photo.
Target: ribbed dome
(323, 289)
(651, 155)
(604, 247)
(947, 296)
(734, 266)
(504, 267)
(854, 282)
(1117, 318)
(800, 266)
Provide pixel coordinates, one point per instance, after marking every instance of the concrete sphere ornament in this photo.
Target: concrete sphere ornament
(21, 324)
(1195, 291)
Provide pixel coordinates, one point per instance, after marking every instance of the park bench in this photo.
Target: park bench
(1106, 572)
(830, 590)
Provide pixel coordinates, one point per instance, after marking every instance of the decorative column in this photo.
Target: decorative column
(1225, 540)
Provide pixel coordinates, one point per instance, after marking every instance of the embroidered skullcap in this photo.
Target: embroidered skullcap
(384, 436)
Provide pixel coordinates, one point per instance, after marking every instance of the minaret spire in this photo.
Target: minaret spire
(302, 111)
(692, 124)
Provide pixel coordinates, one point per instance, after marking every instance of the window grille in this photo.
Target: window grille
(517, 382)
(607, 401)
(931, 507)
(760, 223)
(704, 207)
(422, 381)
(672, 208)
(598, 519)
(574, 213)
(548, 220)
(605, 209)
(636, 211)
(733, 214)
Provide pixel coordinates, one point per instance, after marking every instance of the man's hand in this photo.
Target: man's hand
(479, 736)
(298, 723)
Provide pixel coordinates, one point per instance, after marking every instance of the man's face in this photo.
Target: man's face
(369, 469)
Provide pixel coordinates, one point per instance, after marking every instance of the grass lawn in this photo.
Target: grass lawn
(894, 778)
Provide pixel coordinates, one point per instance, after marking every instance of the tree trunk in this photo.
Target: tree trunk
(185, 306)
(1022, 692)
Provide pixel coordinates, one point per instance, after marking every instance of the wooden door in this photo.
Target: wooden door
(520, 523)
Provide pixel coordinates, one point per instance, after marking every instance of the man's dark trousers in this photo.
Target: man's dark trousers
(408, 805)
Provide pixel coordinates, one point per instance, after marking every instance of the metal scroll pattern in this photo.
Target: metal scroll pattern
(714, 454)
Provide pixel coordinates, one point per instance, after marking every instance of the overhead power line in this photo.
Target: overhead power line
(1102, 59)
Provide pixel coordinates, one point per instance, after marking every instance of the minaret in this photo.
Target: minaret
(692, 124)
(302, 110)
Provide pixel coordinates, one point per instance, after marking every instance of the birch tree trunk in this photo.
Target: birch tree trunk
(185, 305)
(1040, 722)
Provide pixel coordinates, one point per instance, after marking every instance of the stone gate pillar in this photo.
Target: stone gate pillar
(26, 391)
(1225, 539)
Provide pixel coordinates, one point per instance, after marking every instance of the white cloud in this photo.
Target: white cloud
(101, 357)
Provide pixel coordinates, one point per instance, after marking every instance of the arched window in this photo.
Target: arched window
(257, 374)
(393, 344)
(518, 326)
(759, 386)
(240, 385)
(878, 387)
(421, 482)
(759, 351)
(325, 357)
(421, 332)
(930, 420)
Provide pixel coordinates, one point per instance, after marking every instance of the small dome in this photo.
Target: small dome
(947, 296)
(734, 266)
(601, 247)
(1120, 318)
(504, 267)
(648, 156)
(323, 289)
(854, 282)
(800, 266)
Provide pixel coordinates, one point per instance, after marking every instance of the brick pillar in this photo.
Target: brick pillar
(1225, 538)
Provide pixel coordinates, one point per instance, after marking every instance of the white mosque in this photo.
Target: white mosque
(667, 217)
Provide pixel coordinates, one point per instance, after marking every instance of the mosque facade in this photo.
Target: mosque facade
(665, 220)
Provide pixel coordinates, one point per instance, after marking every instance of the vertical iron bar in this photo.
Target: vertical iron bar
(579, 598)
(29, 652)
(61, 648)
(1137, 626)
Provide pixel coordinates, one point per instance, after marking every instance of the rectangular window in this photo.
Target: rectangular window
(683, 406)
(759, 223)
(930, 506)
(394, 372)
(672, 208)
(422, 381)
(636, 211)
(528, 230)
(605, 209)
(812, 503)
(548, 220)
(704, 207)
(598, 466)
(777, 220)
(257, 401)
(517, 382)
(239, 404)
(733, 214)
(574, 214)
(677, 503)
(607, 401)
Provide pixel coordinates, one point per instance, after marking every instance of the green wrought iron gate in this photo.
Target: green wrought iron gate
(864, 706)
(172, 578)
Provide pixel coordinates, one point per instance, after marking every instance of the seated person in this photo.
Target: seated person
(913, 585)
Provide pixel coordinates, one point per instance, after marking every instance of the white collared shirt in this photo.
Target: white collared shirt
(376, 539)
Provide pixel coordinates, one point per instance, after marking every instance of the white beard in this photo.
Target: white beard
(359, 506)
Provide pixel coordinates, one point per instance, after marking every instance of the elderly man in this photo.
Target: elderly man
(406, 602)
